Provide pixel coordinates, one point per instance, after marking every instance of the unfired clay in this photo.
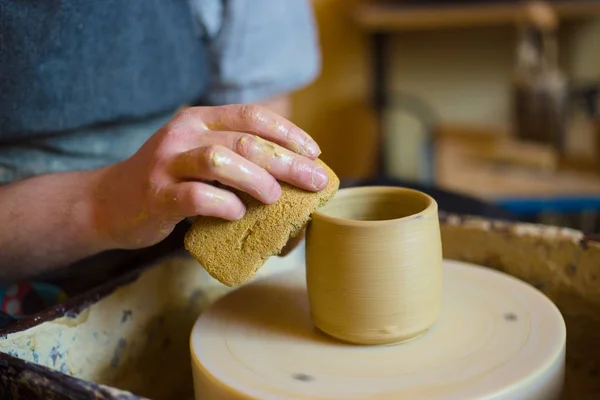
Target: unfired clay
(374, 261)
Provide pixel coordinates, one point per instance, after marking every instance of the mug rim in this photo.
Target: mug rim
(431, 206)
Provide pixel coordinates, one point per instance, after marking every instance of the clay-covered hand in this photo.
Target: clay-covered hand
(140, 200)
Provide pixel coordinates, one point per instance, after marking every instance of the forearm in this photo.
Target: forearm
(47, 222)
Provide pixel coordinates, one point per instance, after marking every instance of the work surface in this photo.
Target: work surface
(136, 338)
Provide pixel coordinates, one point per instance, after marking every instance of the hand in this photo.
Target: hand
(140, 200)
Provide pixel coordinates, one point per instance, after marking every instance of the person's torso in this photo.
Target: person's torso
(68, 64)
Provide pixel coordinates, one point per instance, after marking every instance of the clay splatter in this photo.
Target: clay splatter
(126, 316)
(303, 377)
(510, 317)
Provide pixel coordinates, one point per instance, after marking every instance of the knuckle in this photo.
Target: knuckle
(207, 202)
(182, 116)
(190, 197)
(244, 144)
(185, 121)
(297, 170)
(251, 113)
(200, 201)
(210, 157)
(175, 130)
(151, 185)
(187, 113)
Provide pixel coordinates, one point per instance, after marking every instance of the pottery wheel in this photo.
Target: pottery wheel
(496, 338)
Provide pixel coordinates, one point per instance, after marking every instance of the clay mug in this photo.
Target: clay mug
(374, 265)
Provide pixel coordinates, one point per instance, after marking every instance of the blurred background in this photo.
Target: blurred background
(494, 100)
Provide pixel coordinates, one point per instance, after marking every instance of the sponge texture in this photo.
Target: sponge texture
(233, 251)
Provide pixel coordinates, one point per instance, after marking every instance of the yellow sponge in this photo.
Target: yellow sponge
(233, 251)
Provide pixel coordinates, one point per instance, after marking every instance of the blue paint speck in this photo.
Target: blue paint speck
(118, 351)
(54, 355)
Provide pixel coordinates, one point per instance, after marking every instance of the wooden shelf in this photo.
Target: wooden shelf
(389, 16)
(458, 170)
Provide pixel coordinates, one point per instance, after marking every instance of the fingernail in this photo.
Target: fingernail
(241, 212)
(312, 148)
(320, 178)
(274, 193)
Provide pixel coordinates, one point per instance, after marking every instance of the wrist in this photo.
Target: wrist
(49, 221)
(89, 210)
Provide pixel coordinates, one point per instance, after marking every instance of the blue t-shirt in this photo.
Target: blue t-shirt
(255, 49)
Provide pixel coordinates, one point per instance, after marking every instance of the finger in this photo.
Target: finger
(191, 199)
(262, 122)
(218, 163)
(283, 164)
